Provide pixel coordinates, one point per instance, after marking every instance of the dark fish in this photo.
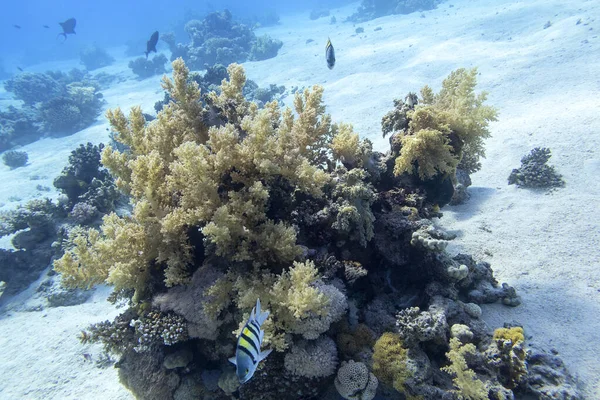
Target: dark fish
(17, 26)
(20, 69)
(46, 26)
(329, 54)
(68, 27)
(151, 44)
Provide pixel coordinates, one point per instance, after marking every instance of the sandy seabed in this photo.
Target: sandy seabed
(545, 84)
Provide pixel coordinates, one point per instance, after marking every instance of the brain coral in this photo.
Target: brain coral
(355, 382)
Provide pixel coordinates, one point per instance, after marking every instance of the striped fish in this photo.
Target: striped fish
(247, 352)
(329, 54)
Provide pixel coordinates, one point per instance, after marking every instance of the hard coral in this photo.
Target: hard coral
(355, 382)
(534, 171)
(312, 359)
(15, 159)
(145, 68)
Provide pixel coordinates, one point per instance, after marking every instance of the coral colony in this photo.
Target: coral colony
(234, 202)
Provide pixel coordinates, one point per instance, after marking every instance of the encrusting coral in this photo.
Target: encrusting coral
(233, 202)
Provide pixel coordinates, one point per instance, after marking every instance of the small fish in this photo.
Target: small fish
(247, 352)
(68, 27)
(17, 26)
(329, 54)
(46, 26)
(20, 69)
(151, 44)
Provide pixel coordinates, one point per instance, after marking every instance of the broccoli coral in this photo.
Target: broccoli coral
(174, 172)
(465, 379)
(389, 361)
(443, 128)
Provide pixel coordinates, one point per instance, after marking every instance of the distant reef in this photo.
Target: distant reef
(54, 103)
(371, 9)
(232, 202)
(218, 39)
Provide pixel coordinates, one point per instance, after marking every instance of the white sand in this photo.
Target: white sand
(545, 85)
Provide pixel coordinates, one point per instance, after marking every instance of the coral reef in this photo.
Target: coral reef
(15, 159)
(94, 57)
(535, 172)
(232, 202)
(371, 9)
(18, 126)
(434, 133)
(145, 68)
(218, 39)
(264, 47)
(65, 103)
(86, 184)
(33, 228)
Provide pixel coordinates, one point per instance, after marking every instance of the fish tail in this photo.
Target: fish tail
(260, 316)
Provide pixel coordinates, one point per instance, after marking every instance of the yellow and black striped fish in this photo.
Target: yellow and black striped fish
(329, 54)
(247, 352)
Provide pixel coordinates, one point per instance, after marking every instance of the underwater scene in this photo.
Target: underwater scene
(367, 199)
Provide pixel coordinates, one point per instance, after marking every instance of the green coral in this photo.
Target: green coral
(445, 127)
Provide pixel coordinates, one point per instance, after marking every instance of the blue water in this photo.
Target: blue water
(109, 23)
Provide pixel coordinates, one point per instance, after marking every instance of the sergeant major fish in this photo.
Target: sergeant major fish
(247, 352)
(329, 54)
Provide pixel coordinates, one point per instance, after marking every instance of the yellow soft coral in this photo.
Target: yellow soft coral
(466, 381)
(389, 361)
(291, 297)
(444, 126)
(428, 152)
(181, 174)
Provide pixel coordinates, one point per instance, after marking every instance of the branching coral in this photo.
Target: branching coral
(181, 174)
(354, 197)
(301, 302)
(442, 127)
(389, 361)
(535, 172)
(508, 355)
(466, 381)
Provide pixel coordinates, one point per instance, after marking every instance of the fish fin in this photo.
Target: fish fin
(260, 316)
(232, 360)
(263, 354)
(261, 336)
